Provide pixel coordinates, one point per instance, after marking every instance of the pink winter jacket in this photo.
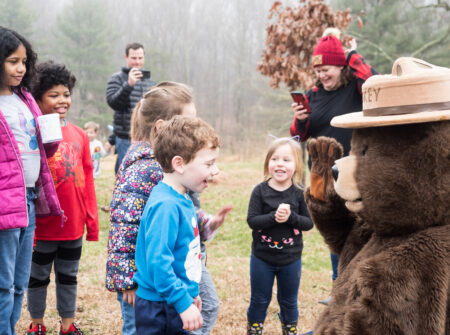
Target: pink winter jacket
(13, 202)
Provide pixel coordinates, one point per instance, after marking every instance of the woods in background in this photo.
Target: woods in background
(215, 47)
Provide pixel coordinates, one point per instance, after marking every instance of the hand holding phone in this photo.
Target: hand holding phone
(134, 75)
(300, 98)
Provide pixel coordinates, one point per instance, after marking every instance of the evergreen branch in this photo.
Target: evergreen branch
(431, 43)
(376, 46)
(439, 4)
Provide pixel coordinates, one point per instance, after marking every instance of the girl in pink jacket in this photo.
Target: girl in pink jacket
(26, 186)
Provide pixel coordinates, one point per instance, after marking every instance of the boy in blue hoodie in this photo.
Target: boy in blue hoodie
(168, 243)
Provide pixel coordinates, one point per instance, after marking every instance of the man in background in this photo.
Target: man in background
(124, 90)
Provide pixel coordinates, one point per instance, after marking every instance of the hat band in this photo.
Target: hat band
(408, 109)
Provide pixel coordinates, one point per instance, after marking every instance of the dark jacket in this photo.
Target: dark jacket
(122, 98)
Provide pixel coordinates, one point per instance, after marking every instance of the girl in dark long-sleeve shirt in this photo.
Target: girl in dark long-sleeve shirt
(277, 214)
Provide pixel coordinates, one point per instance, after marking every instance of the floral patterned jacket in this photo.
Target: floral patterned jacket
(137, 176)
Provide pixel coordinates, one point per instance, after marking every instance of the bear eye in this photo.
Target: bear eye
(364, 150)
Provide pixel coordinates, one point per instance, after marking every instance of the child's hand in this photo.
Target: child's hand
(129, 296)
(198, 303)
(219, 218)
(283, 212)
(107, 147)
(352, 44)
(192, 319)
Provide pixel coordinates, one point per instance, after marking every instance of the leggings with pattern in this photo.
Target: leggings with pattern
(65, 255)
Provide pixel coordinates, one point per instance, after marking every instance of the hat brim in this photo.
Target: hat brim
(358, 120)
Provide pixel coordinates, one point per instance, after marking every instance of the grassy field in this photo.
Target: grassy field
(98, 311)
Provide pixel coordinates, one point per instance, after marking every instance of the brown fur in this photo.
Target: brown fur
(394, 267)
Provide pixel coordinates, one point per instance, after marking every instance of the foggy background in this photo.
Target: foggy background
(213, 46)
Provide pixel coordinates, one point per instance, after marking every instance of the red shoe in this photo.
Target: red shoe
(73, 330)
(38, 329)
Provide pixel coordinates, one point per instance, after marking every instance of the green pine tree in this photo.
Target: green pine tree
(15, 15)
(83, 33)
(395, 28)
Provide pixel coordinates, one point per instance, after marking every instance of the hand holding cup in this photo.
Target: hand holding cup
(283, 212)
(50, 128)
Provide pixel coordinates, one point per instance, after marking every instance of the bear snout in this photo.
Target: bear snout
(335, 172)
(345, 184)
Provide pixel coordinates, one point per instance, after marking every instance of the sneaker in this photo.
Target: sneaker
(73, 330)
(105, 208)
(325, 301)
(38, 329)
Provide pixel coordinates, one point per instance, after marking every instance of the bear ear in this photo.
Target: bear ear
(359, 143)
(364, 149)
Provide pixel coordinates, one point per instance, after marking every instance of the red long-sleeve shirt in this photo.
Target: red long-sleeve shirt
(71, 168)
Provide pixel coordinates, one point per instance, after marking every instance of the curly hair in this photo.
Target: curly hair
(10, 40)
(49, 74)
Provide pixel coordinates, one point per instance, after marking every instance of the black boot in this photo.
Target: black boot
(254, 328)
(289, 328)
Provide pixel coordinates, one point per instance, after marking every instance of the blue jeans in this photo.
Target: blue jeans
(16, 247)
(129, 327)
(262, 275)
(334, 265)
(210, 303)
(210, 307)
(122, 145)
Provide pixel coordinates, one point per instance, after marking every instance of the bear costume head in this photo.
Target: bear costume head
(401, 177)
(397, 177)
(387, 215)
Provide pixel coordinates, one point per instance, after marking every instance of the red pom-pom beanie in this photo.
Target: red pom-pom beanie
(329, 51)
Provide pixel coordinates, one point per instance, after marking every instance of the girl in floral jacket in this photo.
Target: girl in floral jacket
(138, 174)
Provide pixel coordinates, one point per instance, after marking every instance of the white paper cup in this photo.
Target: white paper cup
(284, 206)
(50, 127)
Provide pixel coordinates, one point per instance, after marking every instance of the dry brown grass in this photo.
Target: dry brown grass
(98, 311)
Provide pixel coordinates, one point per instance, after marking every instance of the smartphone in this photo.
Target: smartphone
(299, 98)
(145, 74)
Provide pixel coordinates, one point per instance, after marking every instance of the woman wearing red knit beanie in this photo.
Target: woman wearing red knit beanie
(340, 76)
